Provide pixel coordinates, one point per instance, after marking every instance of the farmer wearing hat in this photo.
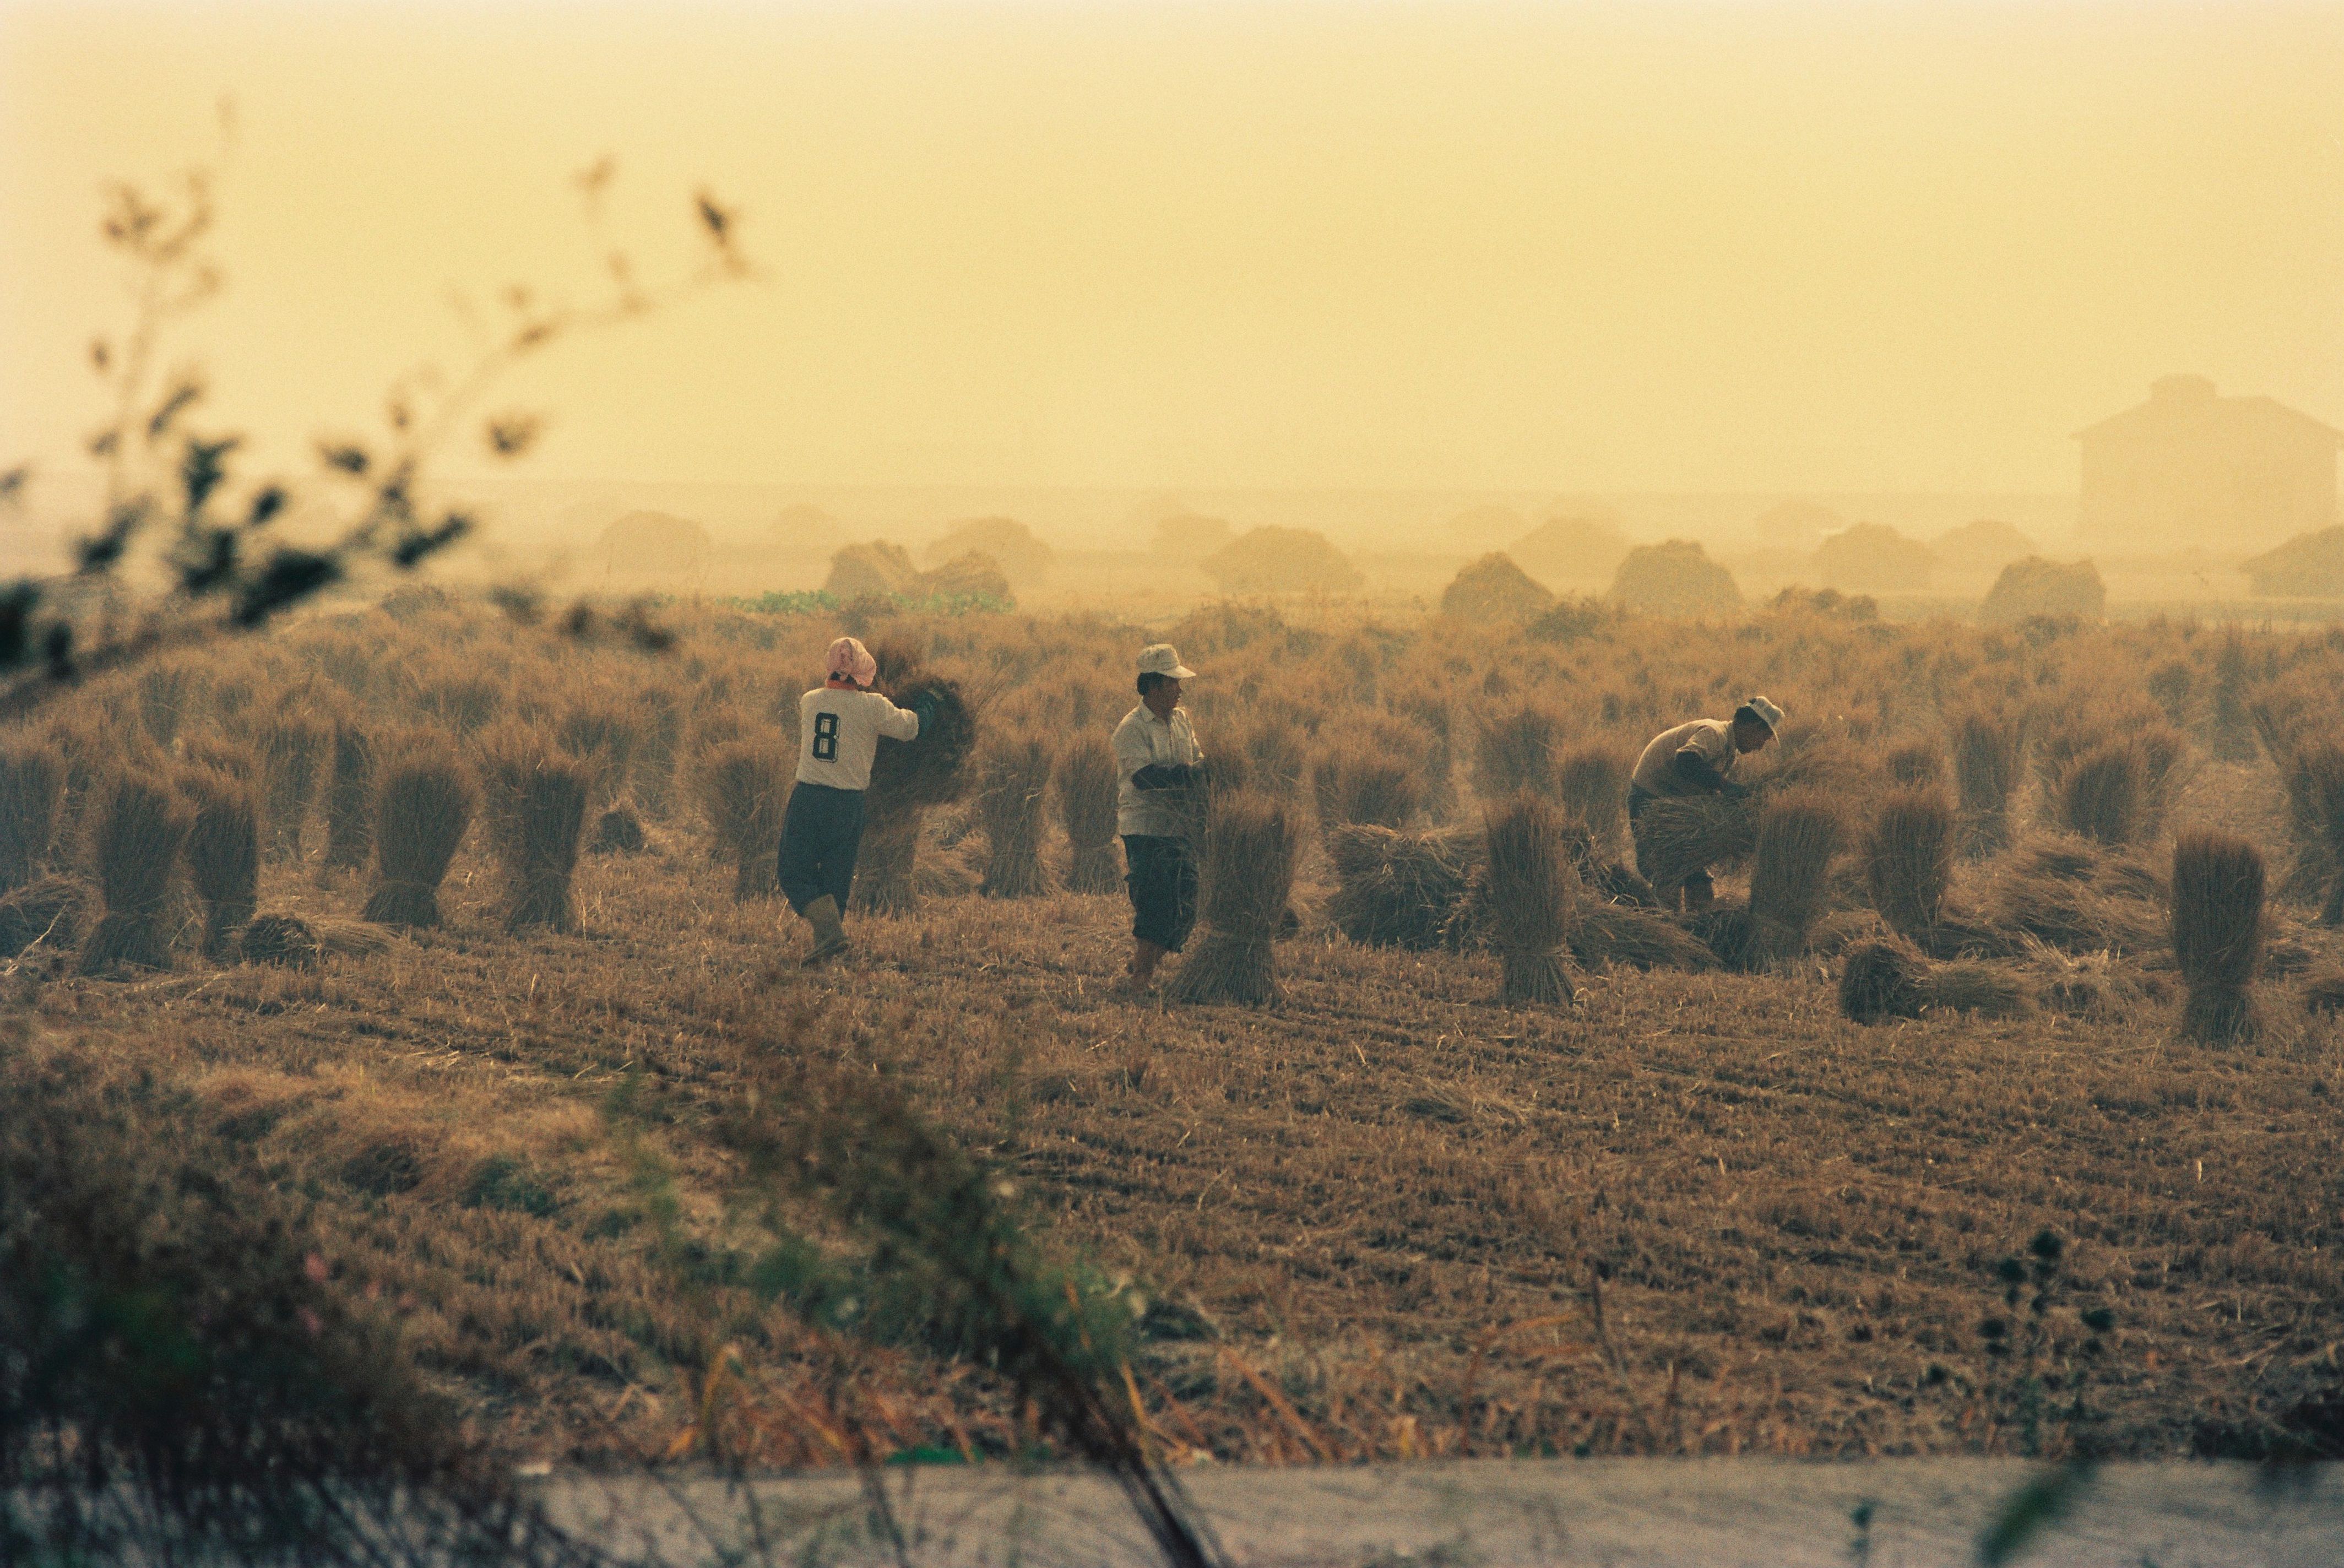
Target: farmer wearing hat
(840, 724)
(1698, 758)
(1161, 772)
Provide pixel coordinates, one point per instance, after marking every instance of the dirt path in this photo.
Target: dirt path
(1625, 1514)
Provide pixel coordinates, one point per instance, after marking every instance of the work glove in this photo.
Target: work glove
(924, 706)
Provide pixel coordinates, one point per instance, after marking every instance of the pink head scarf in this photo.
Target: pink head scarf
(852, 660)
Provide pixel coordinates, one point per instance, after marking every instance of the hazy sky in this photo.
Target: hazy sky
(1654, 246)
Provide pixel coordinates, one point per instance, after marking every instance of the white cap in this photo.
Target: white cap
(1163, 658)
(1766, 710)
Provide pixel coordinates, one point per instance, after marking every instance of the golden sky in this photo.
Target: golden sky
(1601, 247)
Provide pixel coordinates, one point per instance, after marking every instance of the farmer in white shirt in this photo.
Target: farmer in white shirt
(839, 727)
(1161, 774)
(1697, 758)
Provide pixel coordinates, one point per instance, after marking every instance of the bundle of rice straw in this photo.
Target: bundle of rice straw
(1398, 889)
(223, 852)
(135, 841)
(884, 870)
(1908, 858)
(1798, 834)
(933, 769)
(1916, 763)
(1616, 934)
(1885, 980)
(424, 803)
(1086, 806)
(745, 790)
(1531, 891)
(1986, 758)
(2069, 895)
(286, 941)
(32, 783)
(2218, 931)
(1678, 836)
(1593, 785)
(1358, 785)
(1518, 753)
(538, 792)
(2315, 798)
(1013, 777)
(1248, 871)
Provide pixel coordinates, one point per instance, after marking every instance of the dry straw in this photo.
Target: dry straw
(886, 872)
(1531, 891)
(1248, 873)
(1915, 764)
(2218, 931)
(350, 799)
(1399, 889)
(424, 803)
(1517, 752)
(1356, 784)
(292, 753)
(603, 736)
(661, 742)
(134, 843)
(1884, 980)
(1789, 870)
(1592, 782)
(744, 791)
(1677, 837)
(1013, 776)
(536, 794)
(223, 853)
(52, 912)
(1275, 763)
(32, 781)
(1908, 859)
(2315, 796)
(1987, 748)
(1087, 807)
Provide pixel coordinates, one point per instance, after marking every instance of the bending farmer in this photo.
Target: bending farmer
(1161, 774)
(840, 725)
(1693, 759)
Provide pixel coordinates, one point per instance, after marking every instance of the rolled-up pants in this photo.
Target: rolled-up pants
(821, 833)
(1162, 877)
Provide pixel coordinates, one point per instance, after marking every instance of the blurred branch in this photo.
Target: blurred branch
(175, 504)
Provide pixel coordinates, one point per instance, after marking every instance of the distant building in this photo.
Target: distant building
(2189, 468)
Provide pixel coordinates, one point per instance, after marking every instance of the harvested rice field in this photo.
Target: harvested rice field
(2038, 1205)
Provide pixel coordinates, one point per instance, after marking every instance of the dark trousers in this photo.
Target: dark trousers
(1162, 877)
(820, 831)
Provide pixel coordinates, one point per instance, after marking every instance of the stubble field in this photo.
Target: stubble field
(1700, 1210)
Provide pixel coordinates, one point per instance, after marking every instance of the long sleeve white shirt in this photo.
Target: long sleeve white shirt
(839, 731)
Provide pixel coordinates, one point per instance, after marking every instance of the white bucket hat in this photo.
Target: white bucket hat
(1767, 711)
(1163, 658)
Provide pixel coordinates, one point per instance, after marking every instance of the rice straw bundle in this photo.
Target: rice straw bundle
(886, 880)
(744, 791)
(2218, 931)
(618, 831)
(223, 852)
(424, 801)
(1915, 764)
(1882, 980)
(537, 792)
(1592, 782)
(1275, 761)
(32, 781)
(1356, 785)
(1986, 756)
(284, 941)
(1517, 752)
(1613, 934)
(1013, 775)
(603, 736)
(1908, 859)
(2315, 796)
(933, 769)
(2102, 794)
(292, 756)
(135, 841)
(1398, 889)
(660, 744)
(350, 799)
(1679, 836)
(1087, 785)
(1248, 872)
(1531, 889)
